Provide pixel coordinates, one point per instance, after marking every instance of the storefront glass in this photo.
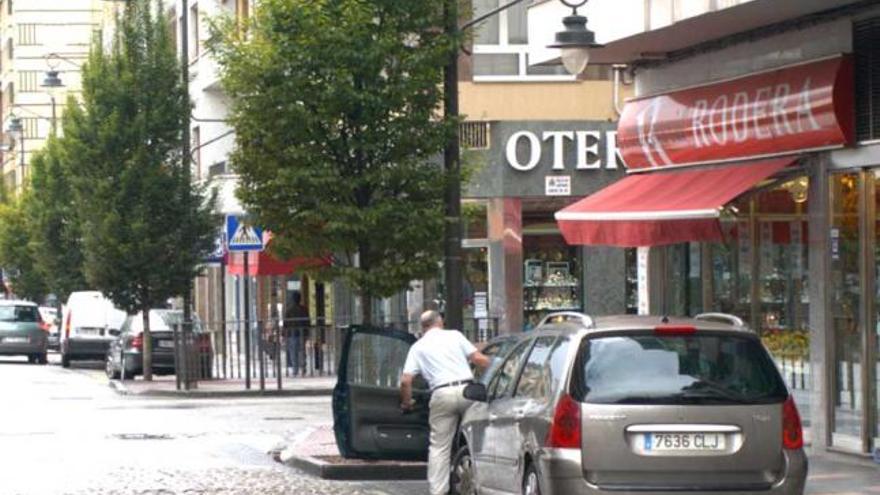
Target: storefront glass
(476, 293)
(551, 277)
(845, 294)
(759, 273)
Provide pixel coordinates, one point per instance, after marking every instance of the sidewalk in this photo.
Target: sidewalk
(165, 386)
(840, 474)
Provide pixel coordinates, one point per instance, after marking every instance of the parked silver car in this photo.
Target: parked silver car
(628, 404)
(21, 331)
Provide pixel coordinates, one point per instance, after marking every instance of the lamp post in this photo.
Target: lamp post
(52, 82)
(575, 42)
(15, 129)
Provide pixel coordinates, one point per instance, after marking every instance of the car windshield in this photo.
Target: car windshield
(676, 369)
(24, 314)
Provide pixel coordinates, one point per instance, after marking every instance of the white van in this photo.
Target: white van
(90, 322)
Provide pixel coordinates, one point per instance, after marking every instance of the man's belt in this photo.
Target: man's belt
(452, 384)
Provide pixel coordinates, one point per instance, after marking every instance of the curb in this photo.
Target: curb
(120, 388)
(374, 471)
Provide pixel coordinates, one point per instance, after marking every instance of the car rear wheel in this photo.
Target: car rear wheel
(462, 480)
(65, 360)
(531, 484)
(42, 358)
(112, 373)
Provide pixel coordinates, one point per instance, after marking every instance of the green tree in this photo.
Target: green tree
(16, 256)
(335, 107)
(145, 226)
(56, 238)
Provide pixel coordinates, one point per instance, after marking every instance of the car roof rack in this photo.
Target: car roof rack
(563, 316)
(722, 318)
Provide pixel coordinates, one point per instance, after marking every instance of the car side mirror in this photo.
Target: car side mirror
(476, 392)
(113, 332)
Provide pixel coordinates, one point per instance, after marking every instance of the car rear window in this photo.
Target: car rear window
(676, 369)
(19, 314)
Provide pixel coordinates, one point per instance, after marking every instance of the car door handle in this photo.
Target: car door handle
(493, 417)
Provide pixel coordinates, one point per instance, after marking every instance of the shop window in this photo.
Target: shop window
(477, 318)
(551, 277)
(632, 281)
(866, 43)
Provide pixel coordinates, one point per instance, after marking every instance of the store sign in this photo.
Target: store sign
(557, 185)
(808, 106)
(588, 146)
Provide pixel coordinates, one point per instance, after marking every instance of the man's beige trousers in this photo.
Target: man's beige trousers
(447, 406)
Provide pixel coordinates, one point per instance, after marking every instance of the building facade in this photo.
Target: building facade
(770, 102)
(37, 36)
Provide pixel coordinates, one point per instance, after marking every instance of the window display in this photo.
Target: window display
(551, 278)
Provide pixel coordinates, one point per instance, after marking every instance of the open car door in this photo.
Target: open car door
(367, 419)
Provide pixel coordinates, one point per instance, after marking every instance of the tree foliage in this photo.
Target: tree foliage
(53, 224)
(16, 256)
(335, 107)
(145, 227)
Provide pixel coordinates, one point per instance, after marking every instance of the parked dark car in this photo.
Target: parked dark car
(126, 350)
(589, 406)
(22, 331)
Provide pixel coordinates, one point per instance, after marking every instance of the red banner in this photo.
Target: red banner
(797, 108)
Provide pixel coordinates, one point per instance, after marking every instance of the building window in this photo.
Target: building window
(9, 7)
(27, 34)
(866, 45)
(474, 135)
(31, 127)
(501, 46)
(194, 31)
(28, 80)
(9, 53)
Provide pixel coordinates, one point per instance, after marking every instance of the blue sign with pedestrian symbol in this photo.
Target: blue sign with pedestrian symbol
(242, 236)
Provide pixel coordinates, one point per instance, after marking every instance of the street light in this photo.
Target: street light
(52, 82)
(576, 40)
(15, 130)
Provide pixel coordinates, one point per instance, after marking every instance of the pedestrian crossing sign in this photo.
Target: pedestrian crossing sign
(242, 236)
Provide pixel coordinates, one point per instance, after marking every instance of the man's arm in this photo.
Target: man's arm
(406, 400)
(479, 359)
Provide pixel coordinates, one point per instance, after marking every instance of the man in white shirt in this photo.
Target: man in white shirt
(441, 357)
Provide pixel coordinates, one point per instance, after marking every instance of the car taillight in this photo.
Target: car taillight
(137, 342)
(45, 326)
(565, 432)
(792, 432)
(675, 330)
(67, 326)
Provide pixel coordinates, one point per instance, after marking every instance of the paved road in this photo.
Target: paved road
(66, 432)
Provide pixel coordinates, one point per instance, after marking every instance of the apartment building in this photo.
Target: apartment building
(37, 36)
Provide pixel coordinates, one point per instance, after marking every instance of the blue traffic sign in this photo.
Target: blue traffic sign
(242, 236)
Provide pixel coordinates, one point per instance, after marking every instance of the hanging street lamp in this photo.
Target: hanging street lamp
(576, 40)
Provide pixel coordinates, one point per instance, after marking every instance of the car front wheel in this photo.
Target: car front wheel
(531, 483)
(462, 481)
(112, 372)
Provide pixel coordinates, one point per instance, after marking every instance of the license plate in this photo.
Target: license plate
(672, 442)
(166, 344)
(91, 331)
(16, 340)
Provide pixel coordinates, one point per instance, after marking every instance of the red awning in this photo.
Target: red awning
(264, 264)
(658, 208)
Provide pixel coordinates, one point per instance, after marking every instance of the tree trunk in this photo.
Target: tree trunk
(367, 309)
(148, 347)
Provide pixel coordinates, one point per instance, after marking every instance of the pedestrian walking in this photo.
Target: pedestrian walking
(441, 357)
(296, 319)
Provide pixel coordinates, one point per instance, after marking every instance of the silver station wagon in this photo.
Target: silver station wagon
(628, 404)
(22, 331)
